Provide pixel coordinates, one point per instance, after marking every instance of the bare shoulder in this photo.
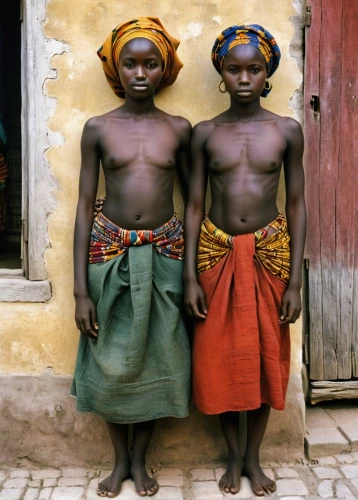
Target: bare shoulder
(92, 130)
(290, 128)
(96, 123)
(203, 130)
(181, 125)
(93, 124)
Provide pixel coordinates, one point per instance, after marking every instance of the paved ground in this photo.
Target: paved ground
(332, 430)
(326, 478)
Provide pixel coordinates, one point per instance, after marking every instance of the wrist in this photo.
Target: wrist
(80, 294)
(294, 285)
(190, 278)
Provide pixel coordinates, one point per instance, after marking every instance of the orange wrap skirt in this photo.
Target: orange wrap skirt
(241, 355)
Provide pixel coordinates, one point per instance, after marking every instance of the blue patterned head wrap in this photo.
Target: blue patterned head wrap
(251, 34)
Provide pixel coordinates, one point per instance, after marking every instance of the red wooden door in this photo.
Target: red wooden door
(331, 165)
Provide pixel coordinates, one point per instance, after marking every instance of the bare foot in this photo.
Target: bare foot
(260, 483)
(230, 481)
(111, 486)
(144, 485)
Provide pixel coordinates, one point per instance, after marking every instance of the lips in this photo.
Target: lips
(140, 85)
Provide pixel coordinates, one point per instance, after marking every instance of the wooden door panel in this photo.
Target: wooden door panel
(330, 60)
(347, 191)
(312, 126)
(331, 164)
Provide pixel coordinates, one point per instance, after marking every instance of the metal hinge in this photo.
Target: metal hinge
(308, 17)
(307, 263)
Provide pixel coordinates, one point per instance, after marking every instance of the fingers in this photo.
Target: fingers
(85, 327)
(93, 319)
(291, 316)
(195, 310)
(98, 205)
(202, 305)
(198, 311)
(283, 312)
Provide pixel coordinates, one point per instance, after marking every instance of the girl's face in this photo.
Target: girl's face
(140, 68)
(244, 73)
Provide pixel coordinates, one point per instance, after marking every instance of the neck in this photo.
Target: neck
(139, 107)
(240, 111)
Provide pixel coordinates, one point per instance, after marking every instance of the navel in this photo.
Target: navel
(137, 217)
(216, 163)
(170, 161)
(242, 219)
(273, 164)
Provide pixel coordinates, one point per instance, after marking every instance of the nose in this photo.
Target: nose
(244, 78)
(140, 74)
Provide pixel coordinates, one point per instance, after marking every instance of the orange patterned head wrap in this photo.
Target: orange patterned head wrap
(144, 27)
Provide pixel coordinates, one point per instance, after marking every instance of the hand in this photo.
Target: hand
(290, 306)
(99, 205)
(195, 301)
(86, 317)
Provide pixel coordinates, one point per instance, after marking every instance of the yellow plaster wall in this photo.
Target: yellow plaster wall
(37, 336)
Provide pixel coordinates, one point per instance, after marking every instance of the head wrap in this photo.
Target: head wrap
(144, 27)
(251, 34)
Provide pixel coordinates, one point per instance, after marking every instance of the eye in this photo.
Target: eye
(255, 70)
(129, 64)
(152, 65)
(232, 70)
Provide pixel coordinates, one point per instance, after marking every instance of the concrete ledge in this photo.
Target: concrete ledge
(39, 423)
(11, 273)
(23, 290)
(323, 441)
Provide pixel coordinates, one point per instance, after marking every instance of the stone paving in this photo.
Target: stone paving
(331, 428)
(331, 477)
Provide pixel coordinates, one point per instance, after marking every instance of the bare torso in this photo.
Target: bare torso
(139, 159)
(244, 175)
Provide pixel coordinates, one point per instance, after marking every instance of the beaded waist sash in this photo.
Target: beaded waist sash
(109, 240)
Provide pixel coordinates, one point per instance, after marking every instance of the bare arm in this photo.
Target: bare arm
(296, 219)
(194, 214)
(183, 157)
(85, 310)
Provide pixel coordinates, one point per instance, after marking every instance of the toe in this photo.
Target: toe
(234, 489)
(259, 491)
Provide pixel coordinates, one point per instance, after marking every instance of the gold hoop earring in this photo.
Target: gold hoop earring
(268, 85)
(222, 91)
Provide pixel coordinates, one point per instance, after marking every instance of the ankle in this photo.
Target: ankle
(138, 461)
(122, 460)
(234, 456)
(251, 458)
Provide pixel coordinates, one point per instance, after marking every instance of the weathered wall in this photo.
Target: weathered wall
(39, 337)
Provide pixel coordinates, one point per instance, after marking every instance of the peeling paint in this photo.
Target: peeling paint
(74, 89)
(67, 87)
(194, 30)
